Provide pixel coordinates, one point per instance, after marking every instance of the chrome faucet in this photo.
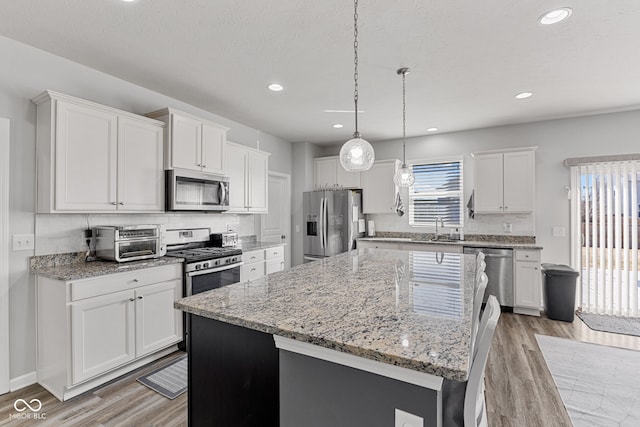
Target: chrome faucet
(438, 219)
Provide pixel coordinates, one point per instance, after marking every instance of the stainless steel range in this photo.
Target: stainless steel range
(205, 267)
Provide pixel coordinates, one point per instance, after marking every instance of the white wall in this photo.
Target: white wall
(25, 73)
(605, 134)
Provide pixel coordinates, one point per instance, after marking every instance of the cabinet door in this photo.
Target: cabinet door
(378, 188)
(186, 142)
(158, 324)
(214, 140)
(102, 334)
(325, 172)
(519, 181)
(527, 285)
(236, 159)
(274, 265)
(85, 152)
(252, 271)
(347, 179)
(140, 168)
(488, 196)
(258, 183)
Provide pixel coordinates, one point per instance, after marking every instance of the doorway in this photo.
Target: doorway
(276, 225)
(4, 254)
(605, 215)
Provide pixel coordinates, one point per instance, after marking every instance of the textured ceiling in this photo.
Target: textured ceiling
(468, 58)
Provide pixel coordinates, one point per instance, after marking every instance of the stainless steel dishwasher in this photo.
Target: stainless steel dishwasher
(499, 272)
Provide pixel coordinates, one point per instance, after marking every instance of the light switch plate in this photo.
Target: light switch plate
(23, 242)
(558, 231)
(405, 419)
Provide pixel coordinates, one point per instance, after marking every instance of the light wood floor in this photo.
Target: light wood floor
(520, 390)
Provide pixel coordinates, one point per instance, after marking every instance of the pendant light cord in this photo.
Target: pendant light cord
(404, 121)
(356, 134)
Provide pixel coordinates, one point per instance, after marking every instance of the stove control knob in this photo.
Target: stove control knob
(205, 265)
(198, 266)
(217, 262)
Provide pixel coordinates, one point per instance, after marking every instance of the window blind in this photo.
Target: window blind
(606, 237)
(437, 192)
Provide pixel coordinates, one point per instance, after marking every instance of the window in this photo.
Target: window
(437, 192)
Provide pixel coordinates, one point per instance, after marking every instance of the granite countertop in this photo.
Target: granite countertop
(384, 305)
(73, 267)
(473, 243)
(257, 245)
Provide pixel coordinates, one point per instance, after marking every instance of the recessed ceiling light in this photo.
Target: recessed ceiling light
(275, 87)
(555, 16)
(338, 126)
(432, 129)
(523, 95)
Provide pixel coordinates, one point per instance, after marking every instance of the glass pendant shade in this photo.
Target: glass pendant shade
(357, 155)
(404, 177)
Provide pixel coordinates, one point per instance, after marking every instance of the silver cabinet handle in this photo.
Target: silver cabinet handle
(139, 297)
(506, 207)
(132, 299)
(275, 253)
(136, 280)
(113, 203)
(253, 269)
(204, 166)
(121, 203)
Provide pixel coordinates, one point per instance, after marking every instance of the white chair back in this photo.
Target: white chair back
(475, 412)
(478, 297)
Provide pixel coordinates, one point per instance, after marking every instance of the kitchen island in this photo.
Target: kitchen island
(341, 341)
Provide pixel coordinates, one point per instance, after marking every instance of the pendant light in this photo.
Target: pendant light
(404, 177)
(356, 154)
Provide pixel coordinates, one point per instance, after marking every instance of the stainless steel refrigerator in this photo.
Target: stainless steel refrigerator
(332, 222)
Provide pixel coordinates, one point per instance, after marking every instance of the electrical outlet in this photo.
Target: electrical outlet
(558, 232)
(405, 419)
(297, 228)
(507, 227)
(23, 242)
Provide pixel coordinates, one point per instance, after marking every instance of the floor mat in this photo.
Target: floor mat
(599, 385)
(614, 324)
(170, 381)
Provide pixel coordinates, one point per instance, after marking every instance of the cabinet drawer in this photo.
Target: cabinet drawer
(253, 256)
(252, 271)
(277, 252)
(103, 285)
(528, 256)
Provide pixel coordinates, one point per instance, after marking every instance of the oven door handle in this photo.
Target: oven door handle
(214, 270)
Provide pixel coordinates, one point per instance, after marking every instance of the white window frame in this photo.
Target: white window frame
(460, 193)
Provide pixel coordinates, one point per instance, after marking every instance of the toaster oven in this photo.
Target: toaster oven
(130, 242)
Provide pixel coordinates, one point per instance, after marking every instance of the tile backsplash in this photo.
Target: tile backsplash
(62, 233)
(494, 224)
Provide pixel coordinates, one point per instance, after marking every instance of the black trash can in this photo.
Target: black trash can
(559, 291)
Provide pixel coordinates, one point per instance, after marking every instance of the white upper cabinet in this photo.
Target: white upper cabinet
(140, 171)
(93, 158)
(378, 188)
(192, 143)
(328, 172)
(505, 182)
(247, 169)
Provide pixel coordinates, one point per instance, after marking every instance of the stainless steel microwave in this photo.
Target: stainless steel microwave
(196, 191)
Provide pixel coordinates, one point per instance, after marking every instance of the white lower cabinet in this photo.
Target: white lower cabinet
(261, 262)
(93, 330)
(527, 282)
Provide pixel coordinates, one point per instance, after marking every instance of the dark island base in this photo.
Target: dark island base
(317, 393)
(233, 376)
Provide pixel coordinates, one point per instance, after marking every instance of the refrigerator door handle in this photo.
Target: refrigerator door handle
(321, 222)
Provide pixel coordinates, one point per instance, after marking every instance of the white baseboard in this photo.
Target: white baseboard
(23, 381)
